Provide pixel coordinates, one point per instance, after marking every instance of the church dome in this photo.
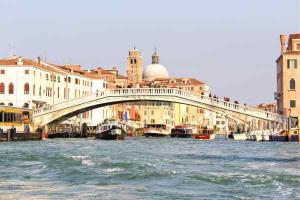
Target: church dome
(155, 70)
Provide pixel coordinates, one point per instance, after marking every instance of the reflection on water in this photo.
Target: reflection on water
(149, 168)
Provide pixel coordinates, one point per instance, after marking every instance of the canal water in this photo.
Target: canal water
(149, 168)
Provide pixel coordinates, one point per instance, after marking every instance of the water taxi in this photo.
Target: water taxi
(156, 130)
(206, 134)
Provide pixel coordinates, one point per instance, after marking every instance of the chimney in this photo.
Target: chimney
(39, 60)
(283, 42)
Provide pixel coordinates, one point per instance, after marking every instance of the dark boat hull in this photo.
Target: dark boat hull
(175, 135)
(283, 138)
(107, 135)
(154, 135)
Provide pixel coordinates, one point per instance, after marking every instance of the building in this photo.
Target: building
(134, 67)
(288, 76)
(33, 83)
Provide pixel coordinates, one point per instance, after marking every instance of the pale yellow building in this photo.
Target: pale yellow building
(288, 76)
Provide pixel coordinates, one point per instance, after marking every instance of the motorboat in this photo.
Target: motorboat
(206, 134)
(156, 130)
(183, 131)
(110, 129)
(239, 136)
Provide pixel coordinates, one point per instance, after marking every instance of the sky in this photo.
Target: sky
(231, 45)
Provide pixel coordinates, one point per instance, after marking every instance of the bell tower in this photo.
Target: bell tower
(155, 57)
(134, 67)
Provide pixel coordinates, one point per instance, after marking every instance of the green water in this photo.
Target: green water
(149, 168)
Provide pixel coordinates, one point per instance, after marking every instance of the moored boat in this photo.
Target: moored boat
(239, 136)
(110, 129)
(207, 134)
(182, 131)
(283, 137)
(156, 130)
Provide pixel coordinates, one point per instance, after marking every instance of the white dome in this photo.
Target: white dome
(154, 71)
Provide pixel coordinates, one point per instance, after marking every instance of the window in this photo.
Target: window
(298, 46)
(131, 61)
(134, 61)
(145, 112)
(292, 84)
(33, 89)
(10, 104)
(292, 103)
(292, 63)
(26, 88)
(2, 71)
(2, 88)
(11, 88)
(69, 79)
(57, 92)
(152, 112)
(40, 91)
(47, 77)
(76, 81)
(26, 71)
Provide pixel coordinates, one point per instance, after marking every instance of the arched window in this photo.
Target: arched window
(11, 88)
(26, 105)
(10, 104)
(26, 88)
(2, 88)
(292, 84)
(134, 61)
(40, 91)
(2, 104)
(131, 61)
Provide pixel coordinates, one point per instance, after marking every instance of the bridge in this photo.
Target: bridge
(59, 112)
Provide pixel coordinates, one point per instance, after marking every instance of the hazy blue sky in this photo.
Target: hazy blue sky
(232, 44)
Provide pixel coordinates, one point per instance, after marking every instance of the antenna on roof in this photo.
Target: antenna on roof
(134, 47)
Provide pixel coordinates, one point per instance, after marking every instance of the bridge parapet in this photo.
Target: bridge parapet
(143, 93)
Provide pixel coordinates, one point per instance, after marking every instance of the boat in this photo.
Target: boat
(206, 134)
(183, 131)
(156, 130)
(266, 135)
(258, 136)
(239, 136)
(283, 137)
(110, 129)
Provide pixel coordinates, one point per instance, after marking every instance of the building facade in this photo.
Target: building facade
(288, 76)
(134, 67)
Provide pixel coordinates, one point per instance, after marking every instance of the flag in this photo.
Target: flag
(125, 116)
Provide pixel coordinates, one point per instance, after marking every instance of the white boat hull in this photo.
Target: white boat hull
(241, 136)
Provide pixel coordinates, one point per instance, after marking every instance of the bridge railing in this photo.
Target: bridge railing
(140, 92)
